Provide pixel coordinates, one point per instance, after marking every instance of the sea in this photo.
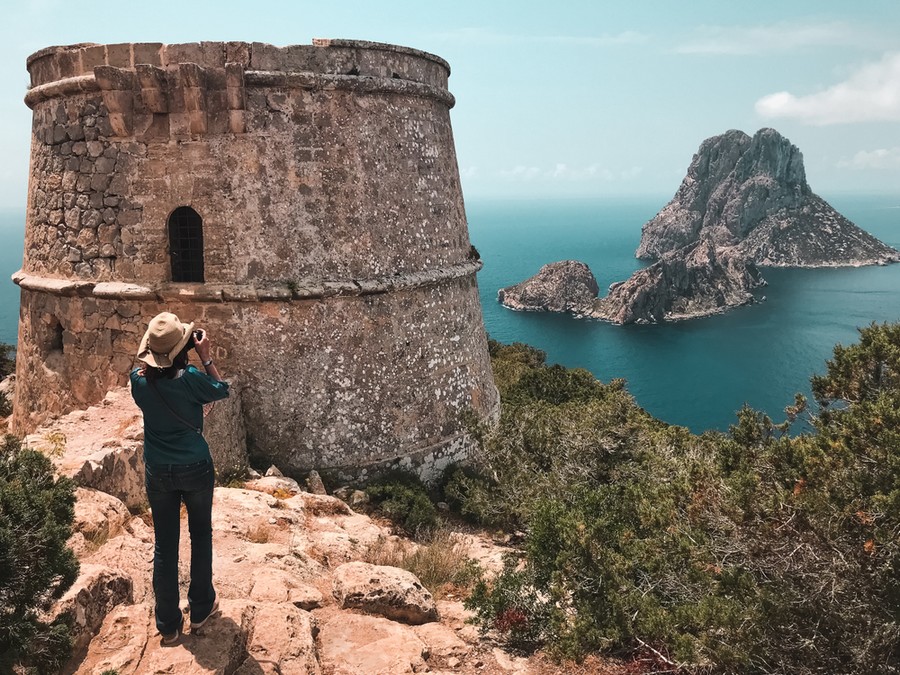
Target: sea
(695, 373)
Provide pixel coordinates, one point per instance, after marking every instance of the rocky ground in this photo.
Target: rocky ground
(297, 593)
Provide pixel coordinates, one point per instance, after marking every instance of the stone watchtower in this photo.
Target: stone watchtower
(301, 203)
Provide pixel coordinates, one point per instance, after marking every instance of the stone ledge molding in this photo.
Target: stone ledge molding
(61, 88)
(361, 84)
(380, 46)
(364, 84)
(302, 289)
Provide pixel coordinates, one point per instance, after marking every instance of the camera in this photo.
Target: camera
(196, 336)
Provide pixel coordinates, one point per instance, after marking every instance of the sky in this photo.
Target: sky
(560, 99)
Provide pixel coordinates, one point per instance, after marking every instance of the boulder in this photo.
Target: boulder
(96, 592)
(325, 505)
(356, 499)
(752, 194)
(98, 515)
(129, 643)
(279, 486)
(314, 484)
(564, 286)
(117, 470)
(280, 641)
(389, 591)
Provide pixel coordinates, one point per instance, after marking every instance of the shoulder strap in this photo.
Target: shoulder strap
(172, 410)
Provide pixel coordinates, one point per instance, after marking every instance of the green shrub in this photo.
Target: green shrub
(511, 605)
(403, 498)
(468, 493)
(5, 405)
(7, 360)
(36, 568)
(750, 551)
(555, 384)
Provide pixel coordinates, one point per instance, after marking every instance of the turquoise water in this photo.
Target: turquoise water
(12, 238)
(694, 373)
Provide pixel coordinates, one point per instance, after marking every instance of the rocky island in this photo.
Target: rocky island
(694, 281)
(744, 202)
(752, 194)
(564, 286)
(691, 282)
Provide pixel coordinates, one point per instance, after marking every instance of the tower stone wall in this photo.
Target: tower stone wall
(338, 276)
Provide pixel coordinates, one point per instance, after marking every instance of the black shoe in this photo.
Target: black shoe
(215, 610)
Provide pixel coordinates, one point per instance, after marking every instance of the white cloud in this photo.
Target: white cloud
(560, 170)
(487, 36)
(870, 94)
(784, 36)
(468, 172)
(521, 172)
(882, 158)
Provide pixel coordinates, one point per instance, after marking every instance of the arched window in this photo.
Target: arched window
(186, 244)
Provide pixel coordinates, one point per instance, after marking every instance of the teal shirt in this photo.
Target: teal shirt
(168, 440)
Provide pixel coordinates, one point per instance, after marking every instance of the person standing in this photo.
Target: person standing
(171, 394)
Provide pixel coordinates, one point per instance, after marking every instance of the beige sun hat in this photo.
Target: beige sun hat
(166, 336)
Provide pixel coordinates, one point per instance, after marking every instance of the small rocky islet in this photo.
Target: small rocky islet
(744, 203)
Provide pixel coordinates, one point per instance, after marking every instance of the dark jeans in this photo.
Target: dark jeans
(168, 486)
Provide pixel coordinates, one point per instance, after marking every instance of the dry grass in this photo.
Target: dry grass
(96, 541)
(55, 444)
(440, 561)
(124, 424)
(259, 534)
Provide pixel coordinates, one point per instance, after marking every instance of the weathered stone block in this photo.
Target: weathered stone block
(100, 181)
(154, 88)
(119, 55)
(237, 121)
(112, 78)
(237, 53)
(149, 53)
(92, 56)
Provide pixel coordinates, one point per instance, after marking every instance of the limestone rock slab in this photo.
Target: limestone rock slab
(353, 644)
(389, 591)
(281, 642)
(129, 643)
(442, 641)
